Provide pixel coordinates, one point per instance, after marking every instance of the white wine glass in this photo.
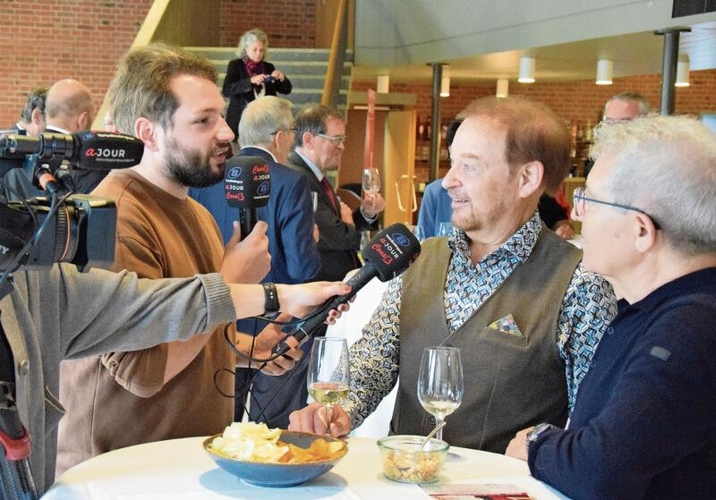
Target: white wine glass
(371, 180)
(328, 372)
(440, 382)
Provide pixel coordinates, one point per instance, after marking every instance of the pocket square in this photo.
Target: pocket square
(506, 325)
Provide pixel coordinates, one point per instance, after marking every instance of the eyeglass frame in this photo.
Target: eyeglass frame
(337, 140)
(578, 194)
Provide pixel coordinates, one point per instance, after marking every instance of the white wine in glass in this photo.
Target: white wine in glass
(440, 382)
(328, 372)
(371, 180)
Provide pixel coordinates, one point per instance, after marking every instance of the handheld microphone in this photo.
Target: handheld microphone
(247, 186)
(386, 256)
(83, 150)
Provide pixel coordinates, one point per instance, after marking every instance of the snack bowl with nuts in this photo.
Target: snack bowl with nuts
(402, 461)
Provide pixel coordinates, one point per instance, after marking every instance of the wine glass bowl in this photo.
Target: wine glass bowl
(440, 382)
(371, 180)
(328, 377)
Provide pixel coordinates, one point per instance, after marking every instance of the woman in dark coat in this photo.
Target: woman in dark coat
(249, 77)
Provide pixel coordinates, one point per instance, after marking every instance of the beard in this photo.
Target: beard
(191, 167)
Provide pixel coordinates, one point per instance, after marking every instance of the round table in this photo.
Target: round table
(180, 469)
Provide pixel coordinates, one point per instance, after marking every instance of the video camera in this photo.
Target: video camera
(62, 226)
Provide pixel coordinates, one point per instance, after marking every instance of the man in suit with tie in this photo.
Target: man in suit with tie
(266, 130)
(319, 145)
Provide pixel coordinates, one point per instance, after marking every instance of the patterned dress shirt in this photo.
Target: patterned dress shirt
(587, 309)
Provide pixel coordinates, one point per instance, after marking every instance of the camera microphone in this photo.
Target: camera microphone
(247, 186)
(83, 150)
(387, 255)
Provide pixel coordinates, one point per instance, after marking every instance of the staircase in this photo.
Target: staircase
(306, 68)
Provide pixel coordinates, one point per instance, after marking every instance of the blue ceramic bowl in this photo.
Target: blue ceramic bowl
(277, 475)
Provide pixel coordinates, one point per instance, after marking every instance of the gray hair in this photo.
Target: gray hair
(262, 118)
(35, 100)
(250, 37)
(666, 166)
(640, 100)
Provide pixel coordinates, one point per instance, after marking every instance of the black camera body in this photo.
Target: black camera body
(82, 233)
(81, 229)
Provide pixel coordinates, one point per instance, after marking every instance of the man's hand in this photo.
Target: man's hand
(299, 300)
(267, 339)
(564, 229)
(247, 261)
(314, 419)
(346, 214)
(373, 204)
(518, 446)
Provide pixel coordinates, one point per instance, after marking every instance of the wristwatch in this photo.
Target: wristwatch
(271, 305)
(536, 431)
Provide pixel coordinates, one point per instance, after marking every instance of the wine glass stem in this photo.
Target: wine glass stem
(329, 415)
(439, 433)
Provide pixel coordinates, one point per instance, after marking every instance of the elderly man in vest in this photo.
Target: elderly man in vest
(503, 288)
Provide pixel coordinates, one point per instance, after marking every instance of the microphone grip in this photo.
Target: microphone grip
(247, 220)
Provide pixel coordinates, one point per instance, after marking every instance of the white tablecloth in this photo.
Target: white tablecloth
(180, 469)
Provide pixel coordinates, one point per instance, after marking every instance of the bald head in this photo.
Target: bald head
(69, 106)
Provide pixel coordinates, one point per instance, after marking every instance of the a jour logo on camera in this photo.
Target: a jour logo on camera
(104, 153)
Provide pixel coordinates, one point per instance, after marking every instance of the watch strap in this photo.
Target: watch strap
(271, 305)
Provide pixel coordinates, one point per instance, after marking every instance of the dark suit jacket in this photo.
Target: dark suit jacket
(289, 215)
(339, 242)
(237, 87)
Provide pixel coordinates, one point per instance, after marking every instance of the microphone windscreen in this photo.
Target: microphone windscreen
(106, 150)
(392, 251)
(247, 182)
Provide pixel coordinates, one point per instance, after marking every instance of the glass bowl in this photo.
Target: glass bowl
(403, 462)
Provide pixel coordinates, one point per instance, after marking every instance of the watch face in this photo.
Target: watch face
(539, 429)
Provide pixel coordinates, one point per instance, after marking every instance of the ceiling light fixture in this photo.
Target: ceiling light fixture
(503, 85)
(445, 86)
(604, 72)
(682, 74)
(445, 82)
(527, 70)
(382, 84)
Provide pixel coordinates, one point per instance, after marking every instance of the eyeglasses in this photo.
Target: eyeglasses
(580, 206)
(335, 139)
(292, 129)
(613, 121)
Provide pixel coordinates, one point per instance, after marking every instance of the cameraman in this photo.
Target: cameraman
(60, 313)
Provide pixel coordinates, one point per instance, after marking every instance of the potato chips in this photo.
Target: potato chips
(257, 443)
(319, 451)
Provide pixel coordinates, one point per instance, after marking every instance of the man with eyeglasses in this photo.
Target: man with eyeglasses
(645, 418)
(619, 108)
(319, 145)
(266, 130)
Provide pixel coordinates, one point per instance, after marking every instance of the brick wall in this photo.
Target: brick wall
(42, 41)
(288, 23)
(581, 101)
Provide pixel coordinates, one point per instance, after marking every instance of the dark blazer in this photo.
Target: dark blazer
(289, 215)
(237, 87)
(339, 242)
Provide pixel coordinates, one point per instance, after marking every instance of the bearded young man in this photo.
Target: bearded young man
(167, 98)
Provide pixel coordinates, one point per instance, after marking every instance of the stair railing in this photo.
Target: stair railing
(337, 57)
